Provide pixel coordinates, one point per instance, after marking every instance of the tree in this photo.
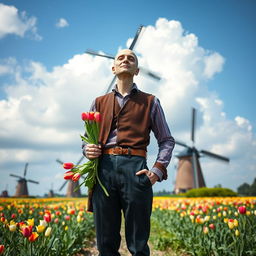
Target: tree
(253, 188)
(244, 189)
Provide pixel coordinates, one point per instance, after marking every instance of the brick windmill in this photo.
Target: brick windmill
(22, 188)
(189, 172)
(73, 189)
(143, 70)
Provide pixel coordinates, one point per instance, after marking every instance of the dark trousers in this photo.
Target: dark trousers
(128, 193)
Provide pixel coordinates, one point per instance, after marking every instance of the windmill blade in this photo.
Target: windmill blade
(59, 161)
(136, 37)
(16, 176)
(195, 168)
(149, 73)
(111, 84)
(32, 181)
(193, 124)
(181, 144)
(63, 185)
(219, 157)
(25, 170)
(80, 160)
(94, 53)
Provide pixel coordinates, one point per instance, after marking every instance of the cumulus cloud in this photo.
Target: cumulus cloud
(62, 23)
(41, 113)
(14, 22)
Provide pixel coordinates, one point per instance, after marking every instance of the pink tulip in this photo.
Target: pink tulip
(27, 231)
(68, 166)
(211, 226)
(242, 209)
(47, 217)
(97, 117)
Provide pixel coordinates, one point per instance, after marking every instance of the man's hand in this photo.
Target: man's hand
(93, 151)
(152, 176)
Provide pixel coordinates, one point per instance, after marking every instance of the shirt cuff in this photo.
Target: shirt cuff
(157, 172)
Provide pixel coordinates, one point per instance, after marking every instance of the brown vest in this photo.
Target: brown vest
(132, 121)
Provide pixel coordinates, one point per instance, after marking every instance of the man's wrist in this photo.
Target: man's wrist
(158, 173)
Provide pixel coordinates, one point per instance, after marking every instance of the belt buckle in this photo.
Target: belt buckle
(117, 151)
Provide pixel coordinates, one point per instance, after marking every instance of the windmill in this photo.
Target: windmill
(22, 188)
(189, 172)
(5, 192)
(51, 192)
(71, 184)
(143, 70)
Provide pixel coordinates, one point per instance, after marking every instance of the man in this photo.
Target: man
(128, 116)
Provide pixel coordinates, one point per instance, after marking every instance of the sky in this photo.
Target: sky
(203, 50)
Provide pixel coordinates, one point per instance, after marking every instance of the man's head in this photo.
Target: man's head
(126, 62)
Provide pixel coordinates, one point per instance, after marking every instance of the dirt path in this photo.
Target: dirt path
(92, 251)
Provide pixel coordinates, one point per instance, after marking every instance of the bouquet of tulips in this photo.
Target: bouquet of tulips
(89, 169)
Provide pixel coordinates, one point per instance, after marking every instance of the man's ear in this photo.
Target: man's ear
(137, 72)
(113, 70)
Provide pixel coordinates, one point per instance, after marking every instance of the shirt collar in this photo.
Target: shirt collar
(133, 90)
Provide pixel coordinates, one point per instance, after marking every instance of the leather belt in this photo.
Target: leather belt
(125, 151)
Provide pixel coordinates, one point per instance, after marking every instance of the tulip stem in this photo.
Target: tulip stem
(98, 179)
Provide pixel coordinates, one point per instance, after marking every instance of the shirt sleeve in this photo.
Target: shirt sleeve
(164, 138)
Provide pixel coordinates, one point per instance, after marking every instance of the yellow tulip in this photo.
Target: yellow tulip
(235, 222)
(30, 222)
(66, 228)
(40, 228)
(231, 224)
(12, 228)
(78, 218)
(206, 230)
(237, 232)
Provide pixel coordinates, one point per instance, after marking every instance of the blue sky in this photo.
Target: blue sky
(225, 27)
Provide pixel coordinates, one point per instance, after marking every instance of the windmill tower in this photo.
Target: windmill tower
(51, 192)
(143, 70)
(189, 172)
(73, 189)
(22, 188)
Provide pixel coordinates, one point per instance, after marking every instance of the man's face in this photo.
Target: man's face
(125, 62)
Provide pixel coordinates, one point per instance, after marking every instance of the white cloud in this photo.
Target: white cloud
(62, 23)
(13, 22)
(41, 114)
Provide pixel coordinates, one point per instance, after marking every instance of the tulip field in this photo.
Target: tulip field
(199, 226)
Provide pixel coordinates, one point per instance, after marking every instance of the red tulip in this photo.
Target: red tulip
(85, 116)
(68, 166)
(97, 117)
(13, 216)
(1, 248)
(33, 237)
(27, 231)
(47, 217)
(68, 175)
(242, 209)
(76, 177)
(211, 226)
(91, 116)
